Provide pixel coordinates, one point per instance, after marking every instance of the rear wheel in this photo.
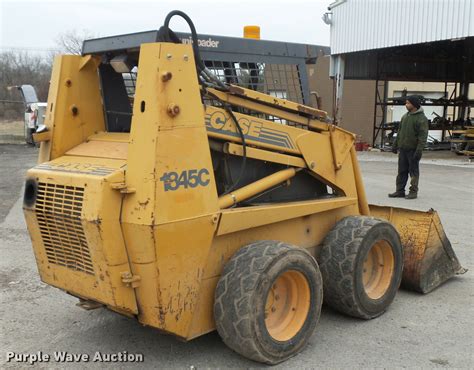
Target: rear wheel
(268, 301)
(361, 263)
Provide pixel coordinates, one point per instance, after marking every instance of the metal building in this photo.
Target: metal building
(403, 40)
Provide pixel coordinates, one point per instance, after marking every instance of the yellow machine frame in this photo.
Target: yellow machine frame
(134, 221)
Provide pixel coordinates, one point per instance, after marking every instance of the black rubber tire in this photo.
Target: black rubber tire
(241, 295)
(341, 262)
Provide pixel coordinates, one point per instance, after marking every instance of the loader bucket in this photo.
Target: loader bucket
(429, 259)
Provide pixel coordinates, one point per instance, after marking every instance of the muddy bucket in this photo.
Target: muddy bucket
(429, 259)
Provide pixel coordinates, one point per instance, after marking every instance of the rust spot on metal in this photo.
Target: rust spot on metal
(143, 204)
(161, 316)
(311, 111)
(236, 90)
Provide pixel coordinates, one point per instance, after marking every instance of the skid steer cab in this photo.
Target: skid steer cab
(197, 205)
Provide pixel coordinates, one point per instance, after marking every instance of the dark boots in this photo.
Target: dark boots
(397, 194)
(401, 194)
(408, 164)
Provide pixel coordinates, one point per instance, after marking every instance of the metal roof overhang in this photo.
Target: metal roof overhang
(440, 61)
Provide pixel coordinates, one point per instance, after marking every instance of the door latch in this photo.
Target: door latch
(131, 281)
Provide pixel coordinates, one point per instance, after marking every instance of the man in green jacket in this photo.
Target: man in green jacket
(410, 141)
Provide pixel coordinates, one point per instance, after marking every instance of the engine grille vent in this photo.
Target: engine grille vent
(58, 210)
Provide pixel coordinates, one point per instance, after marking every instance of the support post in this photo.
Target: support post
(338, 66)
(464, 92)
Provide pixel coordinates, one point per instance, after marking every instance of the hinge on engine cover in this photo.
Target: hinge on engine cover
(130, 280)
(122, 187)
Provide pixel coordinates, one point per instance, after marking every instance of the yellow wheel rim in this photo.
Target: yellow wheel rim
(287, 305)
(378, 269)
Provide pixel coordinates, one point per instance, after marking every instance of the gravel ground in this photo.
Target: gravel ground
(435, 330)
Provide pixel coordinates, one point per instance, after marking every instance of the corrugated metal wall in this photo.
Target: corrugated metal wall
(371, 24)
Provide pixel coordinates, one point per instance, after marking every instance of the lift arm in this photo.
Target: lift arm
(302, 137)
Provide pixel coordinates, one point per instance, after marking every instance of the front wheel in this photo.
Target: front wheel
(361, 263)
(268, 301)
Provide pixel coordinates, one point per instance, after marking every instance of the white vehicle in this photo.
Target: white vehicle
(35, 111)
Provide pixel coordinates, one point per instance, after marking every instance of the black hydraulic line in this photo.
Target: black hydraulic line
(197, 54)
(169, 35)
(207, 78)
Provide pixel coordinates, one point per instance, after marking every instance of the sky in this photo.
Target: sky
(35, 25)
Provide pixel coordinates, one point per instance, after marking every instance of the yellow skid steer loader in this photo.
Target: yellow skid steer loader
(209, 214)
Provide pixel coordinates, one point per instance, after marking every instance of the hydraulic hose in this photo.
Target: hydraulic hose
(207, 78)
(197, 54)
(201, 67)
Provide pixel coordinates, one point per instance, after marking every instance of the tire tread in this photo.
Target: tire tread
(337, 262)
(234, 297)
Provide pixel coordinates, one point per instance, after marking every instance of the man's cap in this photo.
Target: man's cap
(415, 101)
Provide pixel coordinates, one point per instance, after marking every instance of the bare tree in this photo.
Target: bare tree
(70, 42)
(19, 68)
